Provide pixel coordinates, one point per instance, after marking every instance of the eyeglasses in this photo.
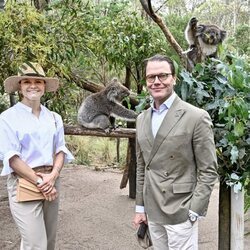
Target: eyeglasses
(162, 77)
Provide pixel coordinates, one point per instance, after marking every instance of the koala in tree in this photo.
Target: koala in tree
(98, 109)
(203, 40)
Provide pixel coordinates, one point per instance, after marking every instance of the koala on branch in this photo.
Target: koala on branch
(98, 109)
(203, 41)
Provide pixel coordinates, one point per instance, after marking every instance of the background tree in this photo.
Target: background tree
(1, 5)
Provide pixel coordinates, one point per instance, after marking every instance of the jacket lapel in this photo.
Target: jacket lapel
(148, 127)
(172, 117)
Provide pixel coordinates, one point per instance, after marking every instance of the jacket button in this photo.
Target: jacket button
(171, 157)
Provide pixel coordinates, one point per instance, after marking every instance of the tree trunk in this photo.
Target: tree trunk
(12, 100)
(2, 5)
(224, 217)
(127, 78)
(138, 79)
(41, 4)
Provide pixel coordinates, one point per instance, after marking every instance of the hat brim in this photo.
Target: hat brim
(11, 84)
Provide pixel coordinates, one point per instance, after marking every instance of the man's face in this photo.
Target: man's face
(32, 89)
(160, 81)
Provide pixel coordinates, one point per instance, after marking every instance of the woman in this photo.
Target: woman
(32, 146)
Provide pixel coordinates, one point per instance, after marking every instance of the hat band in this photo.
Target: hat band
(33, 74)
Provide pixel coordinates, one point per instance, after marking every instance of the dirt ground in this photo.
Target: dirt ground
(96, 214)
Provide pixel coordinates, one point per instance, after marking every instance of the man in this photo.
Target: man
(176, 162)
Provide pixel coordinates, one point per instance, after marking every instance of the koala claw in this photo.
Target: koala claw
(107, 130)
(193, 21)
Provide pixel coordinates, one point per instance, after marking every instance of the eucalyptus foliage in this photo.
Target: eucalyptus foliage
(3, 102)
(102, 40)
(223, 89)
(28, 37)
(120, 37)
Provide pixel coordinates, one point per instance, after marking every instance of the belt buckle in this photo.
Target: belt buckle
(43, 169)
(48, 168)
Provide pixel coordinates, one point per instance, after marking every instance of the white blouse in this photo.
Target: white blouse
(34, 140)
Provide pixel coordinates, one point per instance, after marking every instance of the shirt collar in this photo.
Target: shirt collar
(167, 104)
(27, 108)
(23, 106)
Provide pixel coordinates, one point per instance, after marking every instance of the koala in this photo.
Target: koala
(98, 109)
(203, 41)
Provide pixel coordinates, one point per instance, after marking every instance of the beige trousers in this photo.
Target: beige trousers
(183, 236)
(36, 220)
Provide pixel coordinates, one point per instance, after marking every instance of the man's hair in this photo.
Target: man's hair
(159, 58)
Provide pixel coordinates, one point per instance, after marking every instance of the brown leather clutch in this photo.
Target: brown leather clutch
(27, 191)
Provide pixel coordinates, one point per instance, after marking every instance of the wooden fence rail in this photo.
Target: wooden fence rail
(117, 133)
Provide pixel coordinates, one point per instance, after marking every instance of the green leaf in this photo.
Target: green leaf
(234, 154)
(239, 129)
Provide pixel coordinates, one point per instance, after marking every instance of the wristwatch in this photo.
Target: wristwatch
(39, 181)
(193, 218)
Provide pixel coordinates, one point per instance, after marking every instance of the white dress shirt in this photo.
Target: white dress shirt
(159, 114)
(33, 139)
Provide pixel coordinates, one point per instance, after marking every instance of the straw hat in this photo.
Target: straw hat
(30, 71)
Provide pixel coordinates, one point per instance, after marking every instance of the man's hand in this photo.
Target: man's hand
(139, 218)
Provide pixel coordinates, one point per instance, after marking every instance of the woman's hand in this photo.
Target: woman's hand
(52, 195)
(48, 182)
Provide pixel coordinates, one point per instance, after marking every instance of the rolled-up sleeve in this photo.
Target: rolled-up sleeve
(60, 145)
(9, 146)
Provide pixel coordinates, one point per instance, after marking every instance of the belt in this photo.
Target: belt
(45, 169)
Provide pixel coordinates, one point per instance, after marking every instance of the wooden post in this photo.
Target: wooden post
(224, 217)
(118, 150)
(132, 168)
(125, 175)
(237, 220)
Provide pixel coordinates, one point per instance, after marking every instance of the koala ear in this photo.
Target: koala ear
(200, 28)
(223, 34)
(114, 80)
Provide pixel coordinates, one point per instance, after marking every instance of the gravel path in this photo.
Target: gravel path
(96, 214)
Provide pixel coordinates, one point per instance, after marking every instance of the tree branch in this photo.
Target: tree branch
(147, 6)
(81, 82)
(117, 133)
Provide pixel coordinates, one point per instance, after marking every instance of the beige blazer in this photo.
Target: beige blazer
(176, 170)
